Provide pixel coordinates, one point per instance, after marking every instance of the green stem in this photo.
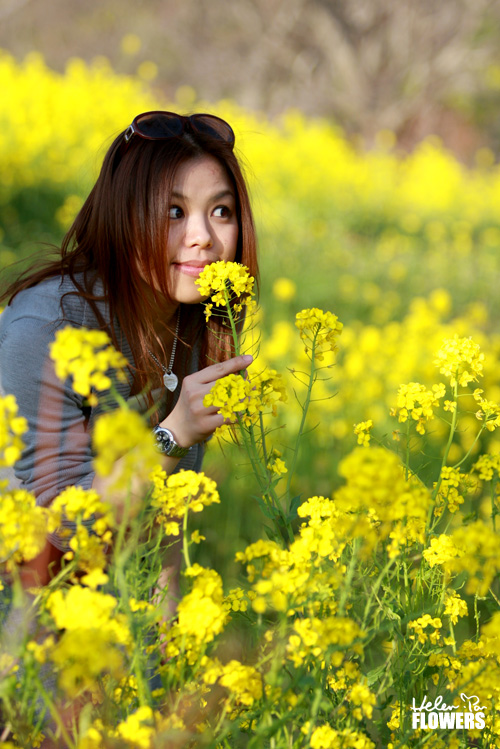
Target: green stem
(236, 340)
(478, 436)
(450, 441)
(305, 409)
(185, 543)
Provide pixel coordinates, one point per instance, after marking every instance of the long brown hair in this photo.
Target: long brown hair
(123, 226)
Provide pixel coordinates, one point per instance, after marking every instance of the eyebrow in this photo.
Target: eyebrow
(218, 196)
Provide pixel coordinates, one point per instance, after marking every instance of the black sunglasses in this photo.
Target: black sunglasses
(161, 125)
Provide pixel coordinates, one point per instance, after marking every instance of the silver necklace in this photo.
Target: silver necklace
(170, 380)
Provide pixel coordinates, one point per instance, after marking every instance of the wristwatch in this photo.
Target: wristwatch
(165, 441)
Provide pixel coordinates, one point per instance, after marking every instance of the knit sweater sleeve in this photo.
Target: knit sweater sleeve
(57, 450)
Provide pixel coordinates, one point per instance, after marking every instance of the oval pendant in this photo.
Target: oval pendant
(170, 381)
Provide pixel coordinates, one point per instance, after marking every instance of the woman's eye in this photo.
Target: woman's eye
(175, 212)
(222, 211)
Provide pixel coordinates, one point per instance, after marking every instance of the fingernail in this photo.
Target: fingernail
(247, 358)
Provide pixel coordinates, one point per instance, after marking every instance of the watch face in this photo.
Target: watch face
(164, 440)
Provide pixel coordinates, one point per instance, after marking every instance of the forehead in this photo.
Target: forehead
(203, 173)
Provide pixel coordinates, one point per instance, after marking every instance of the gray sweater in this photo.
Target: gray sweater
(58, 451)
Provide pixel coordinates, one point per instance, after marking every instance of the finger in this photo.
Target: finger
(221, 369)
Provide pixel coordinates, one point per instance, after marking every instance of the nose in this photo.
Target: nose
(198, 231)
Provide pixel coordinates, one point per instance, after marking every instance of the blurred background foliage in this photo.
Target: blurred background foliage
(369, 132)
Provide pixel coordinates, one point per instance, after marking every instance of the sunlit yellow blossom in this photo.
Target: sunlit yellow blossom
(441, 550)
(275, 463)
(86, 356)
(359, 694)
(313, 637)
(178, 493)
(23, 527)
(454, 606)
(244, 683)
(362, 430)
(489, 411)
(12, 427)
(487, 466)
(93, 634)
(416, 402)
(123, 434)
(419, 626)
(376, 487)
(326, 737)
(318, 329)
(246, 398)
(479, 556)
(224, 281)
(448, 493)
(201, 612)
(138, 729)
(460, 359)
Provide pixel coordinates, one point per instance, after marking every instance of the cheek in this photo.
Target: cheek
(231, 243)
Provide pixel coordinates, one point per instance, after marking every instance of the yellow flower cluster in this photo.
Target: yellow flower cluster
(454, 606)
(88, 548)
(330, 637)
(92, 641)
(224, 282)
(86, 356)
(319, 330)
(12, 427)
(382, 499)
(362, 431)
(124, 447)
(23, 528)
(202, 614)
(420, 625)
(489, 411)
(246, 398)
(448, 494)
(415, 401)
(179, 493)
(244, 683)
(479, 556)
(326, 737)
(461, 360)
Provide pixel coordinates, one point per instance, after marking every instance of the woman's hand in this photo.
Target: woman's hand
(190, 421)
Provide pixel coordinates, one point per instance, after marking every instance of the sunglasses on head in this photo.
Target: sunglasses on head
(162, 125)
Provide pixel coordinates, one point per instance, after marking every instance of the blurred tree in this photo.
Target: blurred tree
(412, 66)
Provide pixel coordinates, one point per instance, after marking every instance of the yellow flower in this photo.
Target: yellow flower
(224, 282)
(454, 606)
(318, 330)
(359, 694)
(179, 493)
(123, 433)
(415, 401)
(362, 430)
(11, 428)
(23, 527)
(201, 612)
(93, 639)
(246, 397)
(86, 356)
(460, 359)
(420, 625)
(138, 729)
(244, 683)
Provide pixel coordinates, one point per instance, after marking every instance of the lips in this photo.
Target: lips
(191, 268)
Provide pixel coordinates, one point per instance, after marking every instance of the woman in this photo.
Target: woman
(170, 199)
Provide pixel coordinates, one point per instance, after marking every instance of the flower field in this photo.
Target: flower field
(341, 562)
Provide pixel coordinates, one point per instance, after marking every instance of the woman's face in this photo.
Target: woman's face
(203, 225)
